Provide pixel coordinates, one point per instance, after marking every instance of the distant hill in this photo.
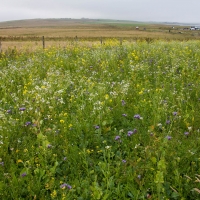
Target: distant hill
(61, 22)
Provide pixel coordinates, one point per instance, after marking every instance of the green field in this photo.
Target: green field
(99, 121)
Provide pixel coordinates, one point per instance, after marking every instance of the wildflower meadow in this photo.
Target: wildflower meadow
(101, 121)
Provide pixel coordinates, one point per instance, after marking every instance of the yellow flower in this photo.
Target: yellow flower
(62, 121)
(106, 96)
(25, 91)
(70, 125)
(88, 151)
(141, 92)
(47, 186)
(136, 58)
(19, 161)
(53, 194)
(63, 196)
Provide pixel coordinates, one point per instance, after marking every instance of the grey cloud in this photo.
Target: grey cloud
(140, 10)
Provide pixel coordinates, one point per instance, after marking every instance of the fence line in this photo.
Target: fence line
(101, 39)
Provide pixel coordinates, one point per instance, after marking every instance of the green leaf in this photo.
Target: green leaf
(104, 123)
(40, 136)
(175, 195)
(154, 160)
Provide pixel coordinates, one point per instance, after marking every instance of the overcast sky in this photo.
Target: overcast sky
(138, 10)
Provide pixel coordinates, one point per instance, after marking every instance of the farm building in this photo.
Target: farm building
(192, 28)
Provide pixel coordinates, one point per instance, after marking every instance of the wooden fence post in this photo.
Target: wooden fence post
(43, 42)
(76, 38)
(101, 40)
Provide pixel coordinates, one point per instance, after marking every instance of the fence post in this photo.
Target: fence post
(76, 38)
(101, 40)
(43, 42)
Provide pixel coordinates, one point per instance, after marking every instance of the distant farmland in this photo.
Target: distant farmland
(62, 29)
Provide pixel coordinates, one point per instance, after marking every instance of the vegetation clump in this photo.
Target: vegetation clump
(103, 121)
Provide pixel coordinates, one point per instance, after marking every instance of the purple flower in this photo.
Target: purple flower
(22, 109)
(2, 163)
(23, 174)
(124, 161)
(168, 122)
(130, 133)
(186, 133)
(64, 185)
(9, 111)
(169, 137)
(27, 123)
(49, 146)
(117, 137)
(97, 127)
(175, 113)
(65, 158)
(134, 130)
(137, 116)
(125, 115)
(123, 103)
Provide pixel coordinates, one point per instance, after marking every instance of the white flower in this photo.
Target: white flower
(160, 125)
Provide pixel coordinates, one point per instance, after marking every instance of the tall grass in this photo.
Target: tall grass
(101, 122)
